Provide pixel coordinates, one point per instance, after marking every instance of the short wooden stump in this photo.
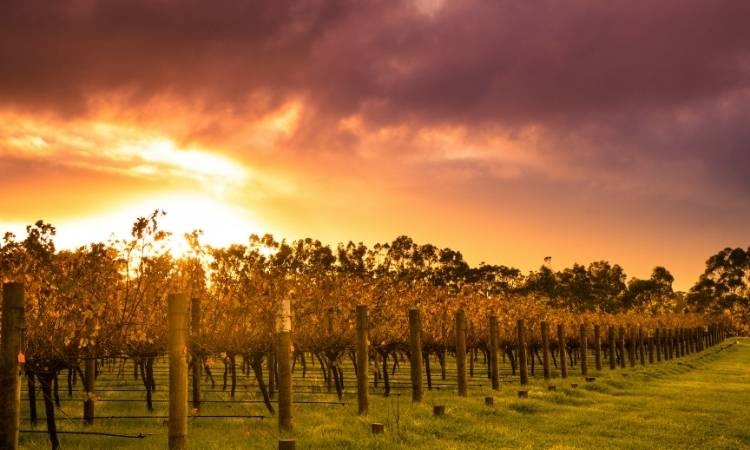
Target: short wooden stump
(523, 394)
(287, 444)
(438, 410)
(489, 401)
(377, 428)
(552, 388)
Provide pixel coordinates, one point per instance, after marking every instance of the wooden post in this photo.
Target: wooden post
(621, 345)
(89, 377)
(631, 345)
(11, 364)
(177, 310)
(415, 351)
(195, 331)
(683, 346)
(670, 350)
(494, 366)
(686, 337)
(545, 349)
(584, 351)
(658, 339)
(362, 363)
(650, 349)
(523, 370)
(699, 339)
(461, 352)
(641, 346)
(598, 347)
(685, 341)
(284, 363)
(561, 345)
(611, 342)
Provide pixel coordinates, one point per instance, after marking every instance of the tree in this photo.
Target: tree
(607, 284)
(723, 286)
(653, 295)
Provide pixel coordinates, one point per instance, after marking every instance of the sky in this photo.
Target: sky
(509, 130)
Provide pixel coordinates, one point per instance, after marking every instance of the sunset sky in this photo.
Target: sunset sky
(509, 130)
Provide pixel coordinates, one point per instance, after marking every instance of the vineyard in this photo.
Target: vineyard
(385, 320)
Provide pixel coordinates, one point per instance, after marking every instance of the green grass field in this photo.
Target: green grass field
(700, 401)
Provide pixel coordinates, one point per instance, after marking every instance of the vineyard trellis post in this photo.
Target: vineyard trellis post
(694, 339)
(650, 349)
(362, 362)
(658, 339)
(284, 363)
(545, 349)
(598, 347)
(611, 345)
(494, 369)
(522, 367)
(562, 350)
(670, 346)
(621, 346)
(699, 339)
(641, 346)
(195, 330)
(89, 380)
(415, 352)
(683, 342)
(461, 352)
(584, 351)
(177, 310)
(11, 363)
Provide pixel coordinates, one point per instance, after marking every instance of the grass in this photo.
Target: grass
(701, 401)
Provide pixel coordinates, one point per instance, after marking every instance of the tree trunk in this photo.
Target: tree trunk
(257, 367)
(46, 380)
(30, 379)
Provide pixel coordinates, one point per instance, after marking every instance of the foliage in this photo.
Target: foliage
(110, 298)
(724, 287)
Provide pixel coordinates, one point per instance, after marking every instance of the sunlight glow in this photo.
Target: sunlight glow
(122, 149)
(222, 223)
(162, 154)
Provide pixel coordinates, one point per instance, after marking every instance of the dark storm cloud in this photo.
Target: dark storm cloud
(469, 61)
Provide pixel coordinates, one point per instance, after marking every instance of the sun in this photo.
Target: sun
(222, 223)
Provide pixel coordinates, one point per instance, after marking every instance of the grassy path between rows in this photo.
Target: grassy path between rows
(700, 401)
